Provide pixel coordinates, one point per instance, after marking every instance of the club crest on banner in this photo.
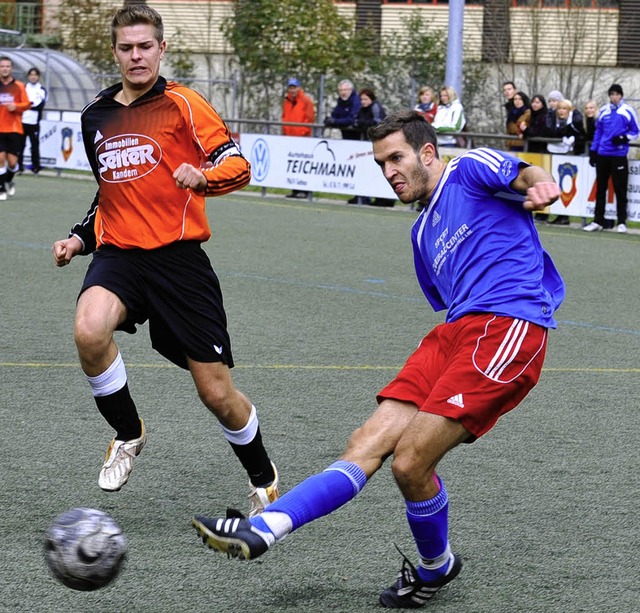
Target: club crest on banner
(567, 179)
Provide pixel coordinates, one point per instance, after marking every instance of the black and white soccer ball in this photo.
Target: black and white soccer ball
(85, 549)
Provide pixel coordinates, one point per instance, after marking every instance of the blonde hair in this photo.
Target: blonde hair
(450, 92)
(565, 104)
(424, 90)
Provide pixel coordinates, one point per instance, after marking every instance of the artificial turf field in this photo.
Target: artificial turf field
(323, 309)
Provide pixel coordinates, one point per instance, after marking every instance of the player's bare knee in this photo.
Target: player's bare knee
(406, 473)
(90, 338)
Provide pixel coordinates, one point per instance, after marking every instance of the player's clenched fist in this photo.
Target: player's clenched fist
(188, 176)
(65, 250)
(541, 195)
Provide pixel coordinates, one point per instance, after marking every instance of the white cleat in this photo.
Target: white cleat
(261, 497)
(119, 461)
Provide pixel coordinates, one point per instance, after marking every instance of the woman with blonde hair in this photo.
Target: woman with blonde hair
(449, 117)
(427, 103)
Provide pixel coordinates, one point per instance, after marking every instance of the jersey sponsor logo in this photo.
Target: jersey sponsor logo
(127, 157)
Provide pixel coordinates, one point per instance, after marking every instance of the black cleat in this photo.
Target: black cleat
(233, 535)
(410, 592)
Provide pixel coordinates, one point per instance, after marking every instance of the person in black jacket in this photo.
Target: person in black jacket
(569, 126)
(371, 113)
(537, 127)
(344, 113)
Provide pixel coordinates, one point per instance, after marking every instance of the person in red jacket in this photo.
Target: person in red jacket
(13, 102)
(297, 108)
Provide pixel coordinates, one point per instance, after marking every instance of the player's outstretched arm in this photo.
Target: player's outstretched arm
(66, 249)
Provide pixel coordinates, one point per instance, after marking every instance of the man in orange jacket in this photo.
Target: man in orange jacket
(297, 108)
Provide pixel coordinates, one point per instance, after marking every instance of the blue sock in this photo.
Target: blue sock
(429, 523)
(318, 495)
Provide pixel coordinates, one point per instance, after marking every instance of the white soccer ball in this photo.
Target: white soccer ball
(85, 549)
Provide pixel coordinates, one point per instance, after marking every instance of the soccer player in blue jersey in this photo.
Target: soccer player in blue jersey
(478, 255)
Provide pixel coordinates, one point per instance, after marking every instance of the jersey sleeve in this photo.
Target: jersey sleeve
(490, 171)
(229, 170)
(85, 230)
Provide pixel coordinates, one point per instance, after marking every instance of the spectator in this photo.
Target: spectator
(520, 115)
(590, 116)
(343, 115)
(297, 107)
(569, 127)
(552, 102)
(427, 105)
(371, 113)
(617, 124)
(449, 117)
(508, 91)
(31, 118)
(537, 127)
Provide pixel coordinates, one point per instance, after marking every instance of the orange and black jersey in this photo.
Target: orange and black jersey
(15, 92)
(134, 150)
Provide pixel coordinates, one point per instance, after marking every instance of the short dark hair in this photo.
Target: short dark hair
(6, 58)
(416, 129)
(33, 70)
(368, 92)
(135, 14)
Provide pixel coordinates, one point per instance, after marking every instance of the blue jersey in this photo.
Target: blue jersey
(476, 249)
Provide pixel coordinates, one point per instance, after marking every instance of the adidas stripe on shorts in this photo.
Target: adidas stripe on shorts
(473, 370)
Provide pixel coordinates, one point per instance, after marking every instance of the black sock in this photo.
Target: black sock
(253, 457)
(120, 412)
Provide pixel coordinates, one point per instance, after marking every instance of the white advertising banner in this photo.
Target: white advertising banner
(61, 143)
(314, 164)
(343, 166)
(577, 180)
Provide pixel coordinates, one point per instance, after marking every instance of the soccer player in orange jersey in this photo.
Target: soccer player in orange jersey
(157, 149)
(13, 102)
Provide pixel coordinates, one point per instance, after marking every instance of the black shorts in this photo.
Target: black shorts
(11, 142)
(176, 289)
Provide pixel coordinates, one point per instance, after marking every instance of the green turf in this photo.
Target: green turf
(323, 308)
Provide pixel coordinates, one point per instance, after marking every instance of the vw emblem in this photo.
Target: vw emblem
(260, 159)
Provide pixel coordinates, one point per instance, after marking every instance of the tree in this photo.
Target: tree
(82, 38)
(275, 40)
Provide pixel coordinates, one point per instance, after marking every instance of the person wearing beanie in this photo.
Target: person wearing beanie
(617, 124)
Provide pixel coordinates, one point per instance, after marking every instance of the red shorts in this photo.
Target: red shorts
(472, 370)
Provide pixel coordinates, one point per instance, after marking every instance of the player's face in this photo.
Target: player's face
(407, 172)
(138, 55)
(6, 69)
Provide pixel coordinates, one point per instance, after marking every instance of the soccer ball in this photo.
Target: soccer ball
(85, 549)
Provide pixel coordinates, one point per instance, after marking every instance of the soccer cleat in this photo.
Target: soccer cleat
(233, 535)
(593, 227)
(3, 195)
(410, 592)
(621, 228)
(11, 188)
(118, 463)
(260, 497)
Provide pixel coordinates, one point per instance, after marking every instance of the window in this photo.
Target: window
(594, 4)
